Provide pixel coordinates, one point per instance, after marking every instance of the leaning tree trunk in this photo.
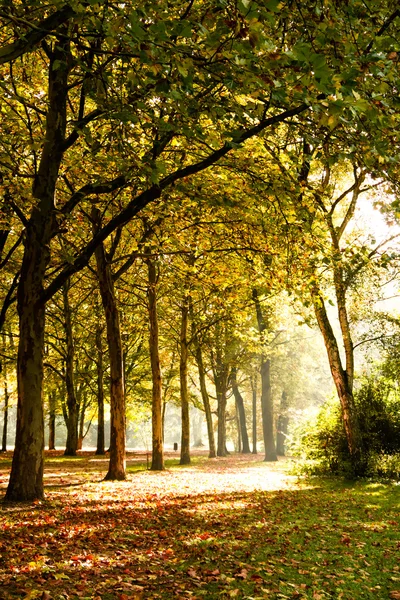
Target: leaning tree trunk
(117, 464)
(157, 462)
(267, 409)
(26, 479)
(100, 448)
(241, 413)
(343, 385)
(253, 382)
(183, 375)
(72, 402)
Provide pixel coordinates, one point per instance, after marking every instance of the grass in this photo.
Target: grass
(225, 528)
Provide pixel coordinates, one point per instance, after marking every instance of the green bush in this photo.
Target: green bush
(321, 441)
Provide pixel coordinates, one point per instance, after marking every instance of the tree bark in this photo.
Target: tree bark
(241, 413)
(183, 374)
(72, 403)
(157, 461)
(117, 464)
(267, 409)
(26, 479)
(100, 448)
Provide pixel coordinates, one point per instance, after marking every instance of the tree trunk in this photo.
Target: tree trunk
(241, 413)
(6, 403)
(52, 420)
(183, 369)
(83, 403)
(239, 435)
(282, 427)
(253, 382)
(197, 426)
(72, 403)
(26, 479)
(267, 409)
(117, 464)
(163, 413)
(343, 386)
(221, 392)
(203, 388)
(157, 462)
(100, 448)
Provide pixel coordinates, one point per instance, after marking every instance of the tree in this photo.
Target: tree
(266, 395)
(241, 413)
(141, 88)
(157, 463)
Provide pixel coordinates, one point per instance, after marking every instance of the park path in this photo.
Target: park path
(234, 473)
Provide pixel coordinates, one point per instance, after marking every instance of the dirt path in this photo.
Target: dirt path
(233, 473)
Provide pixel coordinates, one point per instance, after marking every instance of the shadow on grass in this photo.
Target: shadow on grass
(113, 541)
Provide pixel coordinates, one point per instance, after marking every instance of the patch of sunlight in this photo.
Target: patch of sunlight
(200, 540)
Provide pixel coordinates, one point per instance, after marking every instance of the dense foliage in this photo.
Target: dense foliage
(322, 441)
(171, 175)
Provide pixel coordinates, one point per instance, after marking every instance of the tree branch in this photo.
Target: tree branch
(151, 194)
(28, 41)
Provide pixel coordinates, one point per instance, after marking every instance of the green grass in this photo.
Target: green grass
(201, 532)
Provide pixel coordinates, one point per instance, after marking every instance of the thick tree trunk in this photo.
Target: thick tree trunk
(282, 427)
(343, 385)
(253, 382)
(183, 374)
(26, 479)
(100, 448)
(157, 462)
(52, 420)
(72, 403)
(267, 409)
(117, 464)
(241, 413)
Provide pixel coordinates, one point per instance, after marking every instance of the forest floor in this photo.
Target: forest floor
(232, 527)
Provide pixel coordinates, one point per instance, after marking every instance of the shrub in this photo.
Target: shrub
(321, 441)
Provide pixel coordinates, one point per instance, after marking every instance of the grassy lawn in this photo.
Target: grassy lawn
(226, 528)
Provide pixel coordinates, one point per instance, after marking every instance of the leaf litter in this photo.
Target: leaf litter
(224, 528)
